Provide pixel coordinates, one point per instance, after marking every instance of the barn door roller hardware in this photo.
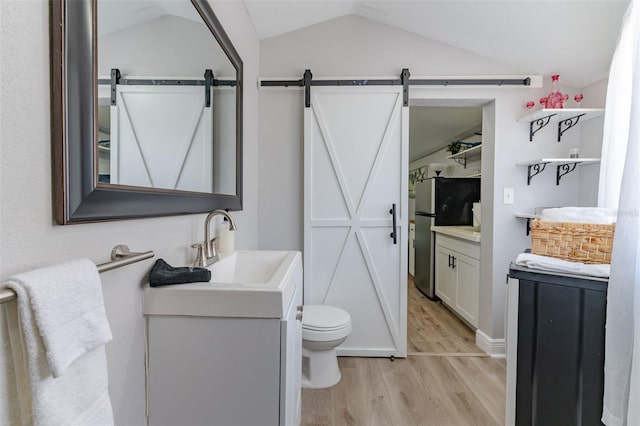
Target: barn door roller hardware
(307, 81)
(208, 81)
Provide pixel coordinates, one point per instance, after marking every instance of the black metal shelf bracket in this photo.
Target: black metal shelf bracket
(567, 124)
(528, 225)
(564, 169)
(461, 160)
(537, 169)
(540, 122)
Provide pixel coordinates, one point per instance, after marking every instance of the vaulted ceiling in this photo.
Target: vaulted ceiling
(574, 38)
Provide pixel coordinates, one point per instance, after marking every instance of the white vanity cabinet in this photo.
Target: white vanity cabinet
(457, 275)
(234, 369)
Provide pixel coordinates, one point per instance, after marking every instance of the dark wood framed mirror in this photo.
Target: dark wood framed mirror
(79, 194)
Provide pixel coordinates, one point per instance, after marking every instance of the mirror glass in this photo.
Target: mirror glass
(146, 110)
(160, 129)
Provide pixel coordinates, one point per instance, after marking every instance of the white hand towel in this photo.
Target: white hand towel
(547, 263)
(579, 215)
(57, 336)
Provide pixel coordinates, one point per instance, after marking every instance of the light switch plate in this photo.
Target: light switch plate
(508, 196)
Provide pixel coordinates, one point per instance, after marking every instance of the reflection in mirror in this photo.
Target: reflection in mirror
(158, 127)
(199, 166)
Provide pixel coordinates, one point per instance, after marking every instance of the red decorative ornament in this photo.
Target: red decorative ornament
(555, 99)
(578, 98)
(530, 104)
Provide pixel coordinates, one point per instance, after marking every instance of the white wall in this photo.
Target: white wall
(169, 46)
(28, 236)
(355, 47)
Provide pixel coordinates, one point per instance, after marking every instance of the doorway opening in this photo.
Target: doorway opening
(445, 171)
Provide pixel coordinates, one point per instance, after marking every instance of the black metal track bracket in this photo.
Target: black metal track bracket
(404, 76)
(564, 169)
(537, 169)
(540, 122)
(115, 80)
(208, 82)
(567, 124)
(307, 87)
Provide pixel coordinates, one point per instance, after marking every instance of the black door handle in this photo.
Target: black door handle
(394, 233)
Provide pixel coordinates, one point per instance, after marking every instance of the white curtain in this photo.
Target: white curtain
(619, 180)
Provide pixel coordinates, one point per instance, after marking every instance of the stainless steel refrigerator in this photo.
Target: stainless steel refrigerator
(442, 202)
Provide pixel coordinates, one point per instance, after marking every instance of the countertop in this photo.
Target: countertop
(469, 233)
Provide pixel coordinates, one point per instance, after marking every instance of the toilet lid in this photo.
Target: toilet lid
(323, 317)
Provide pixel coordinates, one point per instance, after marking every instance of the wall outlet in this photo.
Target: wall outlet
(508, 196)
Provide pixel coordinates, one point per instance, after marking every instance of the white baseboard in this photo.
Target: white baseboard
(494, 347)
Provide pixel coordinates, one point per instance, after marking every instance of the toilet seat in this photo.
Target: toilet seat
(324, 323)
(324, 318)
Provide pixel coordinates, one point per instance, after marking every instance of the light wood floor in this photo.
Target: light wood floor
(432, 328)
(440, 383)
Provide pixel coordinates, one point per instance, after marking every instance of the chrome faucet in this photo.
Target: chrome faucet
(207, 254)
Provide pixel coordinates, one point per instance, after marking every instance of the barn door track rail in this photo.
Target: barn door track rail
(307, 81)
(208, 82)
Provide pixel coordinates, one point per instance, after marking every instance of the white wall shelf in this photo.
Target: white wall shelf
(563, 166)
(565, 117)
(462, 156)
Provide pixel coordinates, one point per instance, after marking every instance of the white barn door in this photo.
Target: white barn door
(161, 137)
(355, 171)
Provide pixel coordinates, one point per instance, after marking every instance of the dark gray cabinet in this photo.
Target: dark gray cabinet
(560, 350)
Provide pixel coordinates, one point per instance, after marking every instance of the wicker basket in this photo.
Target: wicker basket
(575, 242)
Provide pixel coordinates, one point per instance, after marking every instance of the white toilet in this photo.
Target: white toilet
(323, 328)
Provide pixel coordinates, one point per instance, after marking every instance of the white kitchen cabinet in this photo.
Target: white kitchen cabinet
(445, 275)
(225, 370)
(467, 284)
(457, 273)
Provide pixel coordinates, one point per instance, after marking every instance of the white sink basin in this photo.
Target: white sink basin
(250, 284)
(248, 268)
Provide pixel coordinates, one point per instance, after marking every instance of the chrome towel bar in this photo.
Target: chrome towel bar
(120, 256)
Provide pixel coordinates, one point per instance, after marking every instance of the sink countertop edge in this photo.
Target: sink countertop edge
(274, 300)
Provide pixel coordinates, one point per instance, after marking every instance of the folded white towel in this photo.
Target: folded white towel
(579, 215)
(57, 330)
(547, 263)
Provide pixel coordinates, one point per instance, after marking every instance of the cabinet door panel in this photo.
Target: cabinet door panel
(467, 271)
(291, 364)
(445, 279)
